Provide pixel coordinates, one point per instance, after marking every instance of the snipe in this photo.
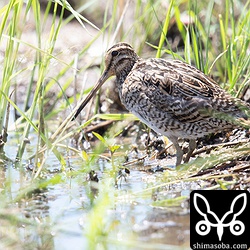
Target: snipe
(170, 96)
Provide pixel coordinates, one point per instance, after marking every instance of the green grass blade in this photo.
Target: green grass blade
(164, 30)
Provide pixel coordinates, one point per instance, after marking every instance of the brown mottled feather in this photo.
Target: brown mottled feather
(180, 95)
(170, 96)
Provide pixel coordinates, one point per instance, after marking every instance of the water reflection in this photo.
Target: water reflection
(59, 215)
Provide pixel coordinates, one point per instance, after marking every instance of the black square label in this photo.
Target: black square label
(219, 219)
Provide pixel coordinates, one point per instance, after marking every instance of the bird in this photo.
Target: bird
(170, 96)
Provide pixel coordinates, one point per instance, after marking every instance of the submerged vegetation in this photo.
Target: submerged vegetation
(49, 62)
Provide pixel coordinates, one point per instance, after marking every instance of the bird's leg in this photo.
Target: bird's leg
(179, 151)
(191, 148)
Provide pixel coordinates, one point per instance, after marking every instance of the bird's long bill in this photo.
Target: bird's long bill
(98, 85)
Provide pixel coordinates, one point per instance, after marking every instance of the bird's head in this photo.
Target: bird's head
(119, 59)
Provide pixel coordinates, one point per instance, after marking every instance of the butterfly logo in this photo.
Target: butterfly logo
(203, 227)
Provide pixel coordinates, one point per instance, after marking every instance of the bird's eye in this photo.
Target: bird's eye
(114, 53)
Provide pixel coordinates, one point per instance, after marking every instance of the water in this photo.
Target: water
(66, 212)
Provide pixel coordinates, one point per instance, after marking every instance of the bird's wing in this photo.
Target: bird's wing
(180, 78)
(197, 87)
(180, 90)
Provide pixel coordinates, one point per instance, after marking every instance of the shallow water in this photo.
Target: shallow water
(62, 214)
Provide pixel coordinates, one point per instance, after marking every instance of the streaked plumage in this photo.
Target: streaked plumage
(170, 96)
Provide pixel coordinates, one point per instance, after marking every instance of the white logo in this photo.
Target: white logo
(203, 227)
